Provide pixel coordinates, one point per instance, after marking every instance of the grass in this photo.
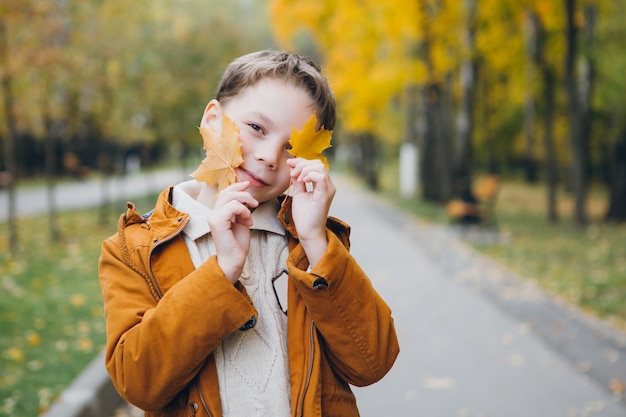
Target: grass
(51, 319)
(585, 266)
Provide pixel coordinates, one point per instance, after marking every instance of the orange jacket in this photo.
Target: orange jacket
(164, 318)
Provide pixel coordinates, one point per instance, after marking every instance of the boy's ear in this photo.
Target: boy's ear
(212, 117)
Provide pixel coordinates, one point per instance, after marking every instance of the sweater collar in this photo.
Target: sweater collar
(197, 199)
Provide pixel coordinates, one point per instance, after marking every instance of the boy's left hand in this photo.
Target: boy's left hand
(309, 209)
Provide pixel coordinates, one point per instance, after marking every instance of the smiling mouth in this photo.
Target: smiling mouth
(254, 180)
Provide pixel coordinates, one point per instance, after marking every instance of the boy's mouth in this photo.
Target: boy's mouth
(254, 180)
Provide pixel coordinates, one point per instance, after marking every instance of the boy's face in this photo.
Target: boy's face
(265, 113)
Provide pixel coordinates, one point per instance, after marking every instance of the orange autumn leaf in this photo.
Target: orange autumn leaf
(223, 155)
(309, 143)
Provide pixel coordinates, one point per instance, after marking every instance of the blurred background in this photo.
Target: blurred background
(510, 114)
(533, 89)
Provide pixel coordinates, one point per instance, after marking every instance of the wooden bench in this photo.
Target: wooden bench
(482, 211)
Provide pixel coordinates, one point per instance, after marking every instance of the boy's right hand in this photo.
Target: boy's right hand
(230, 224)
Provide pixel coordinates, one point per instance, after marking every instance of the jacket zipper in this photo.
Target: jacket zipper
(309, 374)
(157, 288)
(202, 399)
(172, 235)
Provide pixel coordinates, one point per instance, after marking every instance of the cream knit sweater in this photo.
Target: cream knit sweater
(252, 366)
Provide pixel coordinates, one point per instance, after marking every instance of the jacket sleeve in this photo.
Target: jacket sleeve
(155, 348)
(353, 320)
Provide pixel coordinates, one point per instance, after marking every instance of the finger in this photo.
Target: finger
(315, 177)
(299, 163)
(240, 213)
(231, 212)
(236, 192)
(241, 197)
(303, 167)
(238, 186)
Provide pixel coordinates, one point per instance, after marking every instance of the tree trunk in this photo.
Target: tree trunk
(579, 96)
(548, 84)
(483, 114)
(106, 164)
(465, 119)
(617, 182)
(51, 129)
(436, 156)
(370, 159)
(548, 132)
(531, 38)
(10, 139)
(364, 157)
(51, 162)
(435, 153)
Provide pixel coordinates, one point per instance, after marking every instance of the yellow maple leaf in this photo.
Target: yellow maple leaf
(309, 143)
(223, 155)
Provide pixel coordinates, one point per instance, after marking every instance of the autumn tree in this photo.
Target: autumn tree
(610, 104)
(579, 112)
(10, 174)
(73, 86)
(542, 30)
(363, 46)
(436, 150)
(533, 63)
(532, 39)
(54, 26)
(10, 13)
(463, 165)
(580, 82)
(548, 85)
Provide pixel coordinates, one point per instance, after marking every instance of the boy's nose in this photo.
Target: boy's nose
(269, 154)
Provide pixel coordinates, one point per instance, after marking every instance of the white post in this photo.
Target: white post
(408, 170)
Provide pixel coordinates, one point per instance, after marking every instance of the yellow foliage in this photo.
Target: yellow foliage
(309, 143)
(15, 354)
(33, 339)
(457, 208)
(78, 300)
(366, 48)
(372, 50)
(223, 154)
(486, 187)
(84, 345)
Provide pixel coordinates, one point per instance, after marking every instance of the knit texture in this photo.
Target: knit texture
(252, 365)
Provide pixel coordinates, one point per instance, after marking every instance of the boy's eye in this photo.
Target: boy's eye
(288, 147)
(255, 127)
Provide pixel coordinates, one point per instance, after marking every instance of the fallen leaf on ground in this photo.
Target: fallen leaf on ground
(15, 354)
(618, 387)
(439, 383)
(33, 339)
(85, 345)
(78, 300)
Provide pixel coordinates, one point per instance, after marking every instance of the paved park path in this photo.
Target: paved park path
(476, 340)
(88, 193)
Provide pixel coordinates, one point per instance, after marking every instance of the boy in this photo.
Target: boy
(198, 322)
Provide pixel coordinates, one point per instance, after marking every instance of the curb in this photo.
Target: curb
(91, 394)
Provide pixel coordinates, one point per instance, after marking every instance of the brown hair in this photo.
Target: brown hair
(295, 69)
